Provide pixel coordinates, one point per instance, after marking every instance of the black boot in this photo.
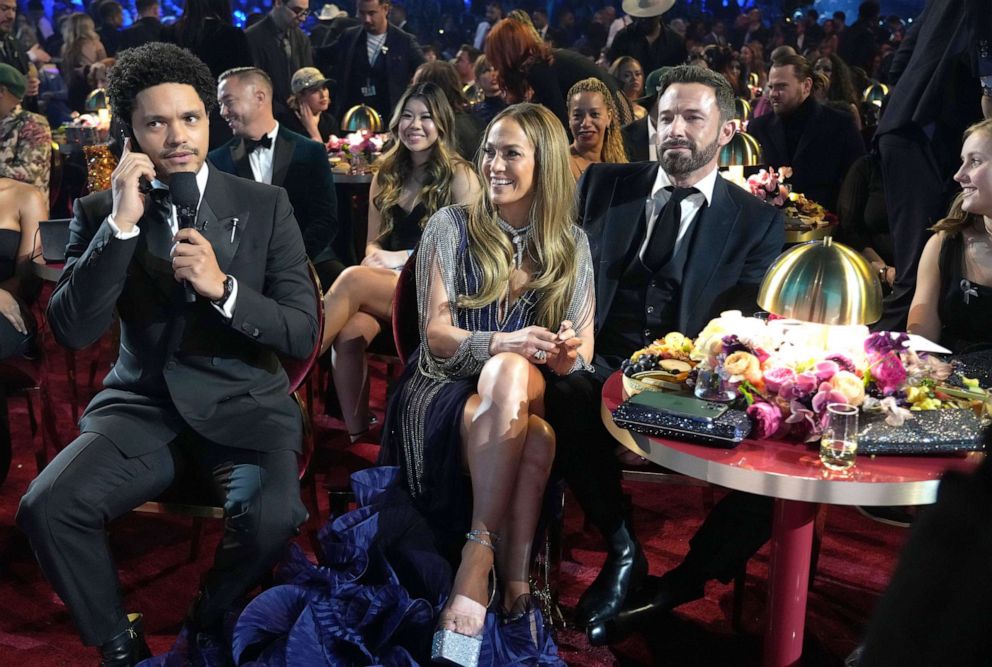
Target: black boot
(678, 586)
(127, 648)
(623, 573)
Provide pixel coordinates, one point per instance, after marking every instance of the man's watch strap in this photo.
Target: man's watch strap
(228, 288)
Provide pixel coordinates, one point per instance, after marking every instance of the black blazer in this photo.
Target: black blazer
(183, 365)
(267, 53)
(403, 56)
(300, 166)
(635, 140)
(737, 238)
(828, 147)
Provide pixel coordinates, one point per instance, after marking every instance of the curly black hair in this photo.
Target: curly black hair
(153, 64)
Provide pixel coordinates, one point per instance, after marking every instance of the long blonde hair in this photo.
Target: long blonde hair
(957, 218)
(396, 165)
(76, 29)
(552, 219)
(613, 150)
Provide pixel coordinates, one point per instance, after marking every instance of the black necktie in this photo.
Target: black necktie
(666, 229)
(252, 144)
(161, 208)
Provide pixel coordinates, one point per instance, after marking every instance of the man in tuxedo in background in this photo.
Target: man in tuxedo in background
(147, 28)
(673, 243)
(279, 47)
(197, 386)
(262, 150)
(820, 143)
(639, 136)
(373, 63)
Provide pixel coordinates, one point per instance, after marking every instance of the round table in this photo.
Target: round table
(793, 475)
(49, 272)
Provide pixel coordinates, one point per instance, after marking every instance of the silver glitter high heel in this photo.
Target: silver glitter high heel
(454, 648)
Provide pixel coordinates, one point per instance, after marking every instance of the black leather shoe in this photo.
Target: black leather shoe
(675, 588)
(623, 573)
(127, 648)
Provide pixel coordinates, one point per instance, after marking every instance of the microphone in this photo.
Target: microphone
(186, 198)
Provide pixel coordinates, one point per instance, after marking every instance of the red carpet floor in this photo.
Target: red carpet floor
(856, 560)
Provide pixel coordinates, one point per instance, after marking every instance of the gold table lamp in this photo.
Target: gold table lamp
(362, 117)
(822, 282)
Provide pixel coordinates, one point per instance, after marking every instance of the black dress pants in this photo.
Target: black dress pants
(90, 483)
(733, 531)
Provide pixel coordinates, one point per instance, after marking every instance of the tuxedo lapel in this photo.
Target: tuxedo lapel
(282, 156)
(154, 251)
(715, 228)
(242, 166)
(221, 220)
(621, 227)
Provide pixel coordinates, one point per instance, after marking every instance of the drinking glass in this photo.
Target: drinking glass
(839, 442)
(710, 386)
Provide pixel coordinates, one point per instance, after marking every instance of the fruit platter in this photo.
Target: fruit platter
(663, 365)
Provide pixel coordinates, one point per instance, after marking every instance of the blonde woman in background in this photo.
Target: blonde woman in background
(592, 119)
(84, 60)
(630, 74)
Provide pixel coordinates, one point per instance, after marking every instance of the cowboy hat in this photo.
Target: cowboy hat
(647, 8)
(330, 12)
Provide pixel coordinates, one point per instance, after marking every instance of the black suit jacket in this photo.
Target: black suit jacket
(267, 53)
(144, 30)
(828, 147)
(736, 239)
(635, 140)
(184, 365)
(403, 57)
(300, 166)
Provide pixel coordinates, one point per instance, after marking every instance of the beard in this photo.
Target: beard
(681, 164)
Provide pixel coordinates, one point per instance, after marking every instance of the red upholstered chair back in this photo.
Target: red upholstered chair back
(298, 369)
(406, 325)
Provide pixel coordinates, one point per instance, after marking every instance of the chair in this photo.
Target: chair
(406, 338)
(26, 378)
(298, 372)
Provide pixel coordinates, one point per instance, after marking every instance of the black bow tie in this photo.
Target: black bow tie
(252, 144)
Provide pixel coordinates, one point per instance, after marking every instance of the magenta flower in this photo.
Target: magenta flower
(776, 378)
(889, 373)
(844, 362)
(825, 396)
(807, 383)
(767, 420)
(883, 342)
(825, 370)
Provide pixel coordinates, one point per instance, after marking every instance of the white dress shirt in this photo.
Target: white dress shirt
(226, 308)
(690, 206)
(261, 158)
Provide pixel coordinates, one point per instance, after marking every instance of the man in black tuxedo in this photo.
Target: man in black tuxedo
(660, 267)
(197, 386)
(148, 27)
(279, 47)
(638, 136)
(819, 143)
(263, 150)
(373, 63)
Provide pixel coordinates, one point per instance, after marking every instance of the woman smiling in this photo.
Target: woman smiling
(592, 119)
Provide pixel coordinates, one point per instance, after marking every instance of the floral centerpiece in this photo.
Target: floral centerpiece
(356, 151)
(769, 186)
(787, 386)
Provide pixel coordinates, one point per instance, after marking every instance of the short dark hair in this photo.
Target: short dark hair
(109, 8)
(473, 53)
(840, 15)
(694, 74)
(869, 9)
(153, 64)
(145, 5)
(800, 66)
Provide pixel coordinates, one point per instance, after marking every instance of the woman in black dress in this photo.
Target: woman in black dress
(953, 300)
(420, 174)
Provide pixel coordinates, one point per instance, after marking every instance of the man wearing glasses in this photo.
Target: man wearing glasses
(373, 62)
(279, 47)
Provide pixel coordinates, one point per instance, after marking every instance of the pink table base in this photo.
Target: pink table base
(793, 475)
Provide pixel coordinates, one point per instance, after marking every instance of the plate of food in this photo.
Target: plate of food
(664, 365)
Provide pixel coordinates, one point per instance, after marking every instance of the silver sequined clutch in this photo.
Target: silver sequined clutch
(725, 431)
(928, 433)
(452, 648)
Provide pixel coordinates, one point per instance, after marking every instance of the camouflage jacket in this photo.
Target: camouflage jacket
(26, 148)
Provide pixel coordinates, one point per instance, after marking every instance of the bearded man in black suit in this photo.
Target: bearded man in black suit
(263, 150)
(197, 385)
(673, 244)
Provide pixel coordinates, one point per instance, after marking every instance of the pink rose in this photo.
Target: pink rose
(889, 373)
(334, 143)
(776, 377)
(825, 370)
(766, 418)
(807, 383)
(743, 366)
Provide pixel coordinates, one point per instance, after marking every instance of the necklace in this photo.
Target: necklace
(518, 237)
